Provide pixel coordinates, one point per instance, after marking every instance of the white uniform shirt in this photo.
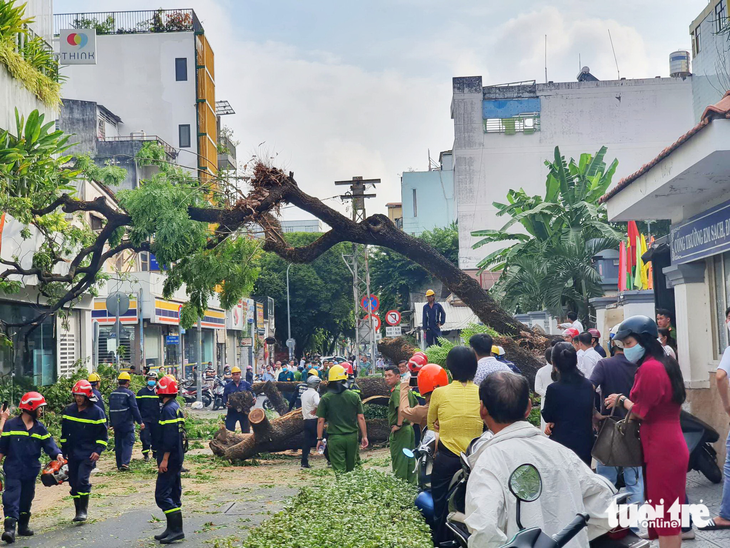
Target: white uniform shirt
(543, 379)
(310, 401)
(588, 360)
(569, 487)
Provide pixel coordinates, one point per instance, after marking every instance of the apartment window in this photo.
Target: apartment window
(184, 135)
(144, 261)
(181, 69)
(720, 16)
(415, 204)
(697, 41)
(96, 223)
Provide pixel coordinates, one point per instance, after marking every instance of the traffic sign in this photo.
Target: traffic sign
(392, 317)
(291, 343)
(393, 331)
(370, 318)
(117, 304)
(370, 304)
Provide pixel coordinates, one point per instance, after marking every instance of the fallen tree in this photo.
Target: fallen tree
(396, 349)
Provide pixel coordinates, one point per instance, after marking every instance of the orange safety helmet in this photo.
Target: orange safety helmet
(83, 388)
(166, 386)
(347, 366)
(32, 401)
(417, 362)
(571, 332)
(431, 377)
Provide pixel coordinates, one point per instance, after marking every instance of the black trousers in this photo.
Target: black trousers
(79, 471)
(310, 438)
(445, 465)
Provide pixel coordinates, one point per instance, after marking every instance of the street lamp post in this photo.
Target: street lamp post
(288, 314)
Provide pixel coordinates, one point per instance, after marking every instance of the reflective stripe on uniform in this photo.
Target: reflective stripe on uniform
(63, 440)
(101, 442)
(40, 437)
(155, 396)
(171, 421)
(87, 421)
(172, 510)
(25, 433)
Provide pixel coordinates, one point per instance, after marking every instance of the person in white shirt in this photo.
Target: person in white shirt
(587, 355)
(568, 484)
(543, 379)
(310, 401)
(573, 321)
(481, 344)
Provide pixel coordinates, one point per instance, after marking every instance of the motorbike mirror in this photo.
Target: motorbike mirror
(408, 453)
(525, 483)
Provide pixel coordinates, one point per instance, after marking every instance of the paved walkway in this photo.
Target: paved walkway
(700, 490)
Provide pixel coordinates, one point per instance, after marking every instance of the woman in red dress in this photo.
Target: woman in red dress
(656, 400)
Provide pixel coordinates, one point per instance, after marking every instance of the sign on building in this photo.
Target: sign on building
(701, 236)
(393, 331)
(78, 47)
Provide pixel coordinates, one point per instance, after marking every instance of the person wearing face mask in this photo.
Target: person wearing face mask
(22, 440)
(656, 400)
(149, 408)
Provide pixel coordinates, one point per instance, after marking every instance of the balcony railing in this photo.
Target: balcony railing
(36, 51)
(171, 151)
(129, 22)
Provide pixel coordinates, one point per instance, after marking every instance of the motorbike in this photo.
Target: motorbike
(218, 387)
(702, 456)
(423, 455)
(190, 395)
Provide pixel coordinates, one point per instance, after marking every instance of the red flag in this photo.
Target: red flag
(622, 266)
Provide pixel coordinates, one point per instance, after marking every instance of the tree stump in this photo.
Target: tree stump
(242, 401)
(396, 349)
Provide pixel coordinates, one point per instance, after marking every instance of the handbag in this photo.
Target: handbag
(618, 442)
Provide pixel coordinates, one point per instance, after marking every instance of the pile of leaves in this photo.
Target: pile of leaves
(365, 508)
(437, 354)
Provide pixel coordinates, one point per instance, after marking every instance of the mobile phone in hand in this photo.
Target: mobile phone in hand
(5, 406)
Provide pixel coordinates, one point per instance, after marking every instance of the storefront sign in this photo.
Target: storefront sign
(77, 47)
(172, 339)
(101, 315)
(260, 324)
(701, 236)
(236, 317)
(247, 341)
(167, 312)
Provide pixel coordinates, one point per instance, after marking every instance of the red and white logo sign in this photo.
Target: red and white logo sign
(375, 319)
(392, 317)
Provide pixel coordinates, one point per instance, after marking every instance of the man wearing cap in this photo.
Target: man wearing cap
(149, 407)
(233, 416)
(434, 316)
(123, 413)
(94, 380)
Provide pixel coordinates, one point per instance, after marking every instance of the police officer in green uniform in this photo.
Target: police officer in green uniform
(342, 410)
(401, 431)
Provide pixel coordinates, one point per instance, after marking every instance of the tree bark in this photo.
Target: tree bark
(396, 349)
(277, 400)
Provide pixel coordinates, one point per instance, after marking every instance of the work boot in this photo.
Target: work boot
(23, 529)
(82, 507)
(166, 531)
(146, 457)
(9, 534)
(175, 522)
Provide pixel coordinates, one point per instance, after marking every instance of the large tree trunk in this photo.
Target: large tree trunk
(396, 349)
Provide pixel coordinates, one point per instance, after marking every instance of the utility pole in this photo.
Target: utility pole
(359, 258)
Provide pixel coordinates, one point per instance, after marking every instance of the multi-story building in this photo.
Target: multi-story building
(710, 56)
(155, 70)
(503, 134)
(303, 225)
(427, 197)
(395, 213)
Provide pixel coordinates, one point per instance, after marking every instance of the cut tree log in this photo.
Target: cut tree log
(242, 401)
(277, 400)
(396, 349)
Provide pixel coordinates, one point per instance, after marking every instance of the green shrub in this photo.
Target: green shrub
(365, 508)
(373, 411)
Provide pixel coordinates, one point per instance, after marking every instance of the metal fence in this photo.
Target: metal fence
(129, 22)
(169, 149)
(39, 53)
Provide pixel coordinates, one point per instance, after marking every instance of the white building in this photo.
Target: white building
(710, 56)
(304, 225)
(155, 70)
(504, 134)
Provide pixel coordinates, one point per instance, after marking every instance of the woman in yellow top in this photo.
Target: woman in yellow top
(454, 414)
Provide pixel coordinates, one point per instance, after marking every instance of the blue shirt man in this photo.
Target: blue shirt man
(434, 316)
(123, 413)
(233, 416)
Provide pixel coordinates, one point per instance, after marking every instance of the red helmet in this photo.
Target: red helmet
(431, 377)
(83, 388)
(594, 333)
(32, 401)
(417, 362)
(166, 386)
(571, 332)
(347, 366)
(422, 354)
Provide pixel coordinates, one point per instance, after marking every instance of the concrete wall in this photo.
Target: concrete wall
(135, 76)
(711, 65)
(42, 13)
(635, 119)
(434, 199)
(80, 119)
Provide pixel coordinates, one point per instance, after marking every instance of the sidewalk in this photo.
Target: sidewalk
(700, 490)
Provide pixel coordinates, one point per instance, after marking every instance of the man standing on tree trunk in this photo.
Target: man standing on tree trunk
(401, 431)
(434, 316)
(342, 410)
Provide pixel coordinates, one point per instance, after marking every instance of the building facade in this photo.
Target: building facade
(304, 225)
(504, 134)
(710, 56)
(427, 197)
(395, 213)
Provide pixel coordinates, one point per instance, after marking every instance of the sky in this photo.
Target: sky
(333, 89)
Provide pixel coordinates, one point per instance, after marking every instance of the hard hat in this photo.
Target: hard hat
(430, 293)
(83, 388)
(594, 333)
(167, 386)
(152, 374)
(430, 377)
(637, 326)
(124, 376)
(32, 401)
(571, 332)
(614, 340)
(495, 349)
(94, 377)
(55, 473)
(235, 370)
(500, 351)
(419, 353)
(416, 363)
(313, 380)
(314, 372)
(337, 373)
(347, 366)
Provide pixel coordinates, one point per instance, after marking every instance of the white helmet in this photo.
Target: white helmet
(313, 381)
(617, 343)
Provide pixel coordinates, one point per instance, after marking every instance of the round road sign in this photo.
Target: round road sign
(117, 304)
(370, 303)
(374, 317)
(392, 317)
